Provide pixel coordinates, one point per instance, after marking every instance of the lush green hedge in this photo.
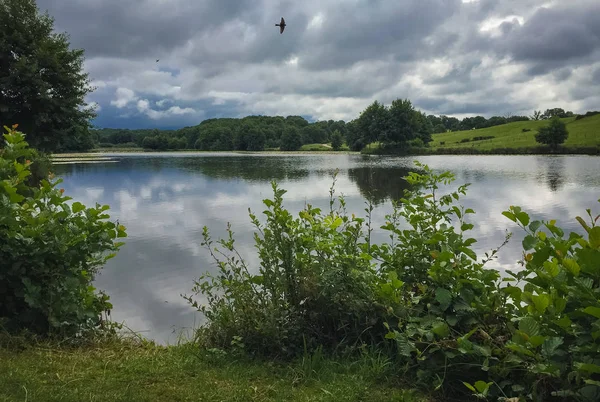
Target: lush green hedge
(50, 250)
(424, 298)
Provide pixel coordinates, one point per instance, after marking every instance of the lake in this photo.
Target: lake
(165, 199)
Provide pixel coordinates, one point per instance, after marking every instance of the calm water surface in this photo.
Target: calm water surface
(164, 200)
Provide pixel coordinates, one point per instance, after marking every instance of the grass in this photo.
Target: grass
(127, 371)
(582, 133)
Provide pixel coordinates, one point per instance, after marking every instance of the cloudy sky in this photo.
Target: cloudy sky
(226, 58)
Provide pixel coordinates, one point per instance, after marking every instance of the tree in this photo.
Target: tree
(336, 140)
(42, 85)
(537, 115)
(290, 139)
(403, 122)
(372, 123)
(554, 134)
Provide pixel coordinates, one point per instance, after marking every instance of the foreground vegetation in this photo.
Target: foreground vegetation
(137, 371)
(363, 320)
(425, 299)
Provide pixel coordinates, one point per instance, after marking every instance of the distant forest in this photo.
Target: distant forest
(399, 123)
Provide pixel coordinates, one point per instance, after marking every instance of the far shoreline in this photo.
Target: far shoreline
(538, 151)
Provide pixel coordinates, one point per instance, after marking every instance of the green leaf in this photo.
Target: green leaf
(529, 326)
(595, 237)
(551, 268)
(469, 211)
(470, 253)
(541, 302)
(537, 340)
(336, 223)
(535, 225)
(472, 388)
(588, 367)
(78, 207)
(444, 297)
(523, 218)
(559, 305)
(550, 345)
(594, 311)
(510, 215)
(442, 330)
(572, 266)
(529, 242)
(482, 386)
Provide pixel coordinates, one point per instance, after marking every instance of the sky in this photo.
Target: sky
(226, 58)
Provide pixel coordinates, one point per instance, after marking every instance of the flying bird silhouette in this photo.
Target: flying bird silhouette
(157, 60)
(281, 25)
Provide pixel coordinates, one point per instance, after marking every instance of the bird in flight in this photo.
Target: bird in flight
(281, 25)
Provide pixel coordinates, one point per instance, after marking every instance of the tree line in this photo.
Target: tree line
(398, 123)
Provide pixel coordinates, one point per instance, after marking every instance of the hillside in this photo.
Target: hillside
(582, 133)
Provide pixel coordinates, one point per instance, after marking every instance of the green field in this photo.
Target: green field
(582, 133)
(123, 371)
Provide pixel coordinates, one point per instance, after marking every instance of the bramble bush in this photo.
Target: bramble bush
(50, 251)
(423, 297)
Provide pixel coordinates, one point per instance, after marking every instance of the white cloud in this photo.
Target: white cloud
(124, 97)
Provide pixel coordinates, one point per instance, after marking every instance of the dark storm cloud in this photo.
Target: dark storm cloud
(375, 30)
(140, 28)
(596, 76)
(486, 57)
(560, 33)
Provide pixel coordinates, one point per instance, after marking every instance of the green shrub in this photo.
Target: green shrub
(557, 311)
(50, 250)
(423, 297)
(314, 286)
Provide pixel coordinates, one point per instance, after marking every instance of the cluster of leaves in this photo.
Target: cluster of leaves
(557, 312)
(50, 250)
(424, 297)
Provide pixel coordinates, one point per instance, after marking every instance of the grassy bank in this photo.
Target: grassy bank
(128, 371)
(512, 138)
(304, 148)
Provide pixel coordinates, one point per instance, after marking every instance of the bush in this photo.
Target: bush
(526, 130)
(50, 250)
(424, 297)
(416, 143)
(464, 140)
(482, 138)
(336, 140)
(554, 134)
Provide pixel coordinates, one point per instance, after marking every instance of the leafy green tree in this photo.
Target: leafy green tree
(255, 139)
(42, 85)
(290, 139)
(313, 134)
(336, 140)
(403, 123)
(554, 134)
(372, 124)
(150, 143)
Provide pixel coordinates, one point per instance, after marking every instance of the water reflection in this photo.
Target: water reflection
(552, 170)
(380, 184)
(165, 201)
